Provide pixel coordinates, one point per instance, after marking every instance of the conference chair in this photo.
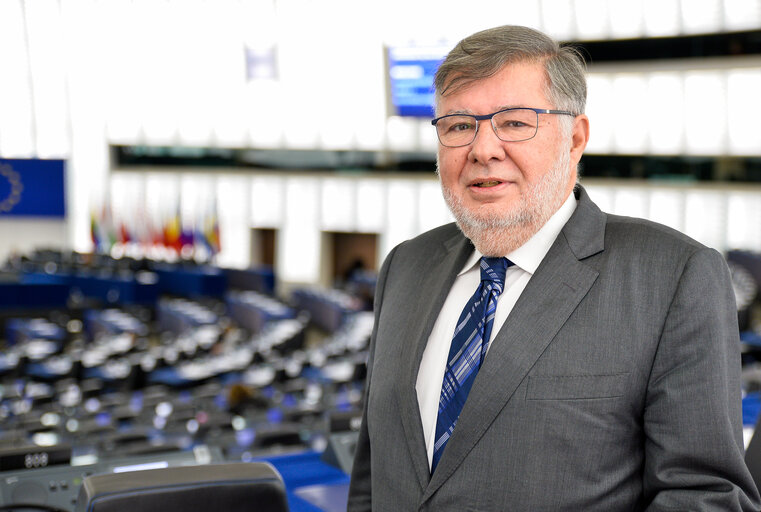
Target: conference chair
(229, 487)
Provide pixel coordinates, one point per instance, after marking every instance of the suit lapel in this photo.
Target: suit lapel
(428, 301)
(552, 294)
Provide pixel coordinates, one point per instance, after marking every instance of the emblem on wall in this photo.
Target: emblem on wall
(13, 196)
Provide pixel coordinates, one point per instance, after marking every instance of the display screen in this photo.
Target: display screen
(411, 70)
(141, 467)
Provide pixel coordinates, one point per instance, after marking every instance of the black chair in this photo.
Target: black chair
(232, 487)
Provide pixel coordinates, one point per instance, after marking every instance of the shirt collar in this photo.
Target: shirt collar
(530, 255)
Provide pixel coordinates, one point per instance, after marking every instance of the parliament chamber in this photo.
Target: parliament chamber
(196, 198)
(112, 365)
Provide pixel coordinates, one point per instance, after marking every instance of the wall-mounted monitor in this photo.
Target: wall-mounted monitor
(410, 74)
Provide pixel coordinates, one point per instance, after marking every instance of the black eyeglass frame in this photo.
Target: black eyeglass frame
(490, 117)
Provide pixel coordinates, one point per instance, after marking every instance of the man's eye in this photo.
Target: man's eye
(512, 124)
(461, 127)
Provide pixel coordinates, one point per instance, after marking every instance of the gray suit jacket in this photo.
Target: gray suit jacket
(613, 385)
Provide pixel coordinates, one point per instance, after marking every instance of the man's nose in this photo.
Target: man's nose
(486, 146)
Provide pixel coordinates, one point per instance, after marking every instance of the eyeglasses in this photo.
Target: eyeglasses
(510, 125)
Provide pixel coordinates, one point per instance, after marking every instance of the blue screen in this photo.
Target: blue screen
(411, 71)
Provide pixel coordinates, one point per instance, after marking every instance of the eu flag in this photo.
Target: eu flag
(32, 188)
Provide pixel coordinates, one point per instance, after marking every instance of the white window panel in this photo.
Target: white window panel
(47, 59)
(433, 210)
(16, 119)
(259, 20)
(631, 202)
(338, 212)
(194, 191)
(121, 132)
(467, 21)
(602, 196)
(160, 126)
(627, 19)
(662, 17)
(267, 200)
(191, 131)
(127, 196)
(203, 79)
(370, 134)
(162, 196)
(705, 113)
(523, 13)
(229, 125)
(356, 86)
(92, 68)
(122, 78)
(335, 133)
(234, 230)
(234, 201)
(371, 205)
(631, 130)
(558, 19)
(302, 200)
(265, 122)
(705, 217)
(402, 209)
(664, 97)
(744, 111)
(400, 27)
(744, 220)
(157, 94)
(702, 17)
(401, 133)
(592, 20)
(742, 14)
(602, 110)
(305, 68)
(208, 64)
(299, 135)
(667, 207)
(299, 252)
(427, 136)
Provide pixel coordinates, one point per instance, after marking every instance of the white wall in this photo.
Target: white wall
(79, 75)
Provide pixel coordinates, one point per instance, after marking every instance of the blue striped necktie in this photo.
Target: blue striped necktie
(469, 345)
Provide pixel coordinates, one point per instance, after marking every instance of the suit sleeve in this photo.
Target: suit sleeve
(360, 488)
(694, 455)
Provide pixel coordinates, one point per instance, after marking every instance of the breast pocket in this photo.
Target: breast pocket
(576, 387)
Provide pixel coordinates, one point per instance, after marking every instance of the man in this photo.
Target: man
(595, 368)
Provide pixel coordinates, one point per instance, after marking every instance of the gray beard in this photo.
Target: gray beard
(499, 234)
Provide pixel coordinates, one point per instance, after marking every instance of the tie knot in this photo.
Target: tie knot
(493, 269)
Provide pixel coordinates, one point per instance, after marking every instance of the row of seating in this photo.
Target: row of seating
(242, 372)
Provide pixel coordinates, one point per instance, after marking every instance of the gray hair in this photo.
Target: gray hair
(485, 53)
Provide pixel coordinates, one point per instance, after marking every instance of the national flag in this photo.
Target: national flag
(173, 233)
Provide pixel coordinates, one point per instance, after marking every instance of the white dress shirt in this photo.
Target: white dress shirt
(526, 259)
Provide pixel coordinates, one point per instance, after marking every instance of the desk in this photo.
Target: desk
(311, 484)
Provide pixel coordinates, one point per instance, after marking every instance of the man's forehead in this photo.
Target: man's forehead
(459, 81)
(514, 85)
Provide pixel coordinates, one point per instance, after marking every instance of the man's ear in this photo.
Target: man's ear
(579, 137)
